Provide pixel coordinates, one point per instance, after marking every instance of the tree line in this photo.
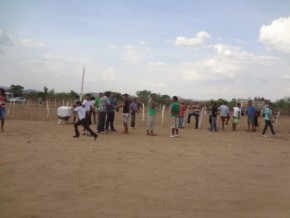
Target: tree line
(142, 96)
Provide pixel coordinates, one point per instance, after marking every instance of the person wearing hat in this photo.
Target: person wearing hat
(268, 121)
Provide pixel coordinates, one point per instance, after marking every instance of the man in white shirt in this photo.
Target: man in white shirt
(80, 110)
(236, 115)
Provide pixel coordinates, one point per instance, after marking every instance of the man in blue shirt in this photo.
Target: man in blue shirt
(250, 114)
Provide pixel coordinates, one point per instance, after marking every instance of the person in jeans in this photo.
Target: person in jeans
(214, 112)
(268, 121)
(103, 109)
(81, 111)
(111, 113)
(181, 114)
(134, 110)
(2, 108)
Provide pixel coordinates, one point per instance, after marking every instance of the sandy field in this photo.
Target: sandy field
(46, 173)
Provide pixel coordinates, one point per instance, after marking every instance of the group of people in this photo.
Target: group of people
(105, 105)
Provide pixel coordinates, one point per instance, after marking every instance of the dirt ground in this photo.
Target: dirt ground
(45, 172)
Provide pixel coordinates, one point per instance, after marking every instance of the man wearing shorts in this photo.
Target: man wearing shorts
(126, 112)
(225, 114)
(236, 115)
(151, 115)
(174, 112)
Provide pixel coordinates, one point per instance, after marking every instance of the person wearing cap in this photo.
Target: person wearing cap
(268, 121)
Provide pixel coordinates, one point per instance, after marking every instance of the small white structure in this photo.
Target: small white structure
(64, 113)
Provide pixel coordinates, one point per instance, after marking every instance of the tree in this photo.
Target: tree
(17, 90)
(143, 95)
(73, 95)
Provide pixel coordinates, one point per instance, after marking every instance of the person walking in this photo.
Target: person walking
(2, 108)
(174, 112)
(268, 121)
(134, 110)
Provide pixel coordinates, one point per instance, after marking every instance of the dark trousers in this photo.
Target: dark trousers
(88, 118)
(102, 120)
(196, 119)
(133, 118)
(268, 123)
(84, 123)
(110, 120)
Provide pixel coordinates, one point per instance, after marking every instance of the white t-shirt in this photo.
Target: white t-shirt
(87, 105)
(237, 112)
(81, 112)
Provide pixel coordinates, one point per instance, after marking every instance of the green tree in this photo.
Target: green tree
(143, 95)
(73, 95)
(17, 90)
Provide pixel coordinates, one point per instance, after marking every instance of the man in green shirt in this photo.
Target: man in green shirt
(151, 107)
(174, 112)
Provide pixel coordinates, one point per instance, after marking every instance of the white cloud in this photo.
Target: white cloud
(133, 54)
(4, 39)
(28, 43)
(228, 62)
(199, 39)
(276, 36)
(109, 74)
(286, 76)
(156, 64)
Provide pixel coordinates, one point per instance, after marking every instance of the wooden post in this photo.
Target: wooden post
(47, 110)
(162, 115)
(143, 112)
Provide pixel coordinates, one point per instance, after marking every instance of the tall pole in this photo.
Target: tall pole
(81, 96)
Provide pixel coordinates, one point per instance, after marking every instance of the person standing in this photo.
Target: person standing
(174, 112)
(195, 112)
(2, 108)
(181, 114)
(225, 114)
(126, 112)
(111, 113)
(209, 113)
(236, 116)
(214, 112)
(134, 110)
(151, 115)
(268, 121)
(103, 109)
(250, 112)
(81, 111)
(93, 109)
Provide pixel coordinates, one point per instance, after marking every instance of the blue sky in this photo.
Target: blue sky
(193, 49)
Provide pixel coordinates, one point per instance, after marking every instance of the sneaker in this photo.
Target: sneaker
(176, 136)
(275, 135)
(172, 136)
(76, 136)
(264, 136)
